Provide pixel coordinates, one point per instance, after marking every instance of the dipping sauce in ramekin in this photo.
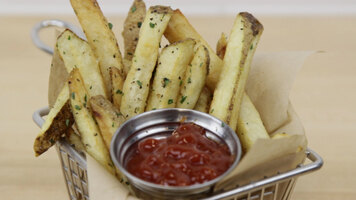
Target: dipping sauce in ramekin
(184, 158)
(149, 130)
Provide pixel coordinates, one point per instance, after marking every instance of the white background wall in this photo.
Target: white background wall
(309, 7)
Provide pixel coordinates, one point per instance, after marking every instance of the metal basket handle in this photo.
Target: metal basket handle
(37, 116)
(51, 23)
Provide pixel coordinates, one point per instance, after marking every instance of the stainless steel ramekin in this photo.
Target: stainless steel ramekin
(161, 123)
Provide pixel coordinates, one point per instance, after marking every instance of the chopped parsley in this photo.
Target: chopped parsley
(68, 37)
(118, 114)
(212, 110)
(51, 141)
(139, 83)
(77, 107)
(119, 92)
(73, 95)
(152, 25)
(170, 101)
(85, 98)
(133, 9)
(251, 47)
(222, 124)
(139, 24)
(67, 122)
(112, 125)
(110, 25)
(189, 80)
(183, 99)
(180, 82)
(165, 82)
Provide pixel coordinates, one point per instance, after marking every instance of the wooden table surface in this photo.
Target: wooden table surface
(324, 96)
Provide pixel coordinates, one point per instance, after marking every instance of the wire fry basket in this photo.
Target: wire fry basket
(74, 166)
(279, 186)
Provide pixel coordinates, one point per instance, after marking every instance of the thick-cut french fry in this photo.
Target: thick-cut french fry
(221, 46)
(58, 121)
(89, 131)
(241, 47)
(108, 117)
(249, 125)
(137, 83)
(194, 79)
(172, 65)
(76, 53)
(178, 29)
(132, 26)
(117, 85)
(100, 38)
(204, 100)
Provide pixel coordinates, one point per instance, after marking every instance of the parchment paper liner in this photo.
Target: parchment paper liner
(270, 81)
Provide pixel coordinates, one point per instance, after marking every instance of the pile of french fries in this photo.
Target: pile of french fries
(104, 88)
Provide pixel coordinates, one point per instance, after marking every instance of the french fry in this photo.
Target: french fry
(178, 29)
(204, 100)
(137, 83)
(249, 125)
(117, 85)
(108, 117)
(58, 121)
(76, 53)
(221, 46)
(132, 26)
(100, 38)
(89, 131)
(74, 140)
(241, 47)
(170, 71)
(194, 79)
(127, 65)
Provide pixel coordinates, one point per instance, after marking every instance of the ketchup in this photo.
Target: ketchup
(185, 158)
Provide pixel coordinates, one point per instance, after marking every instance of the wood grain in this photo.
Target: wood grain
(324, 96)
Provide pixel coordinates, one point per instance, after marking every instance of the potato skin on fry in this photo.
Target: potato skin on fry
(58, 121)
(117, 86)
(100, 38)
(136, 85)
(221, 46)
(108, 117)
(132, 25)
(239, 53)
(194, 79)
(172, 65)
(89, 131)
